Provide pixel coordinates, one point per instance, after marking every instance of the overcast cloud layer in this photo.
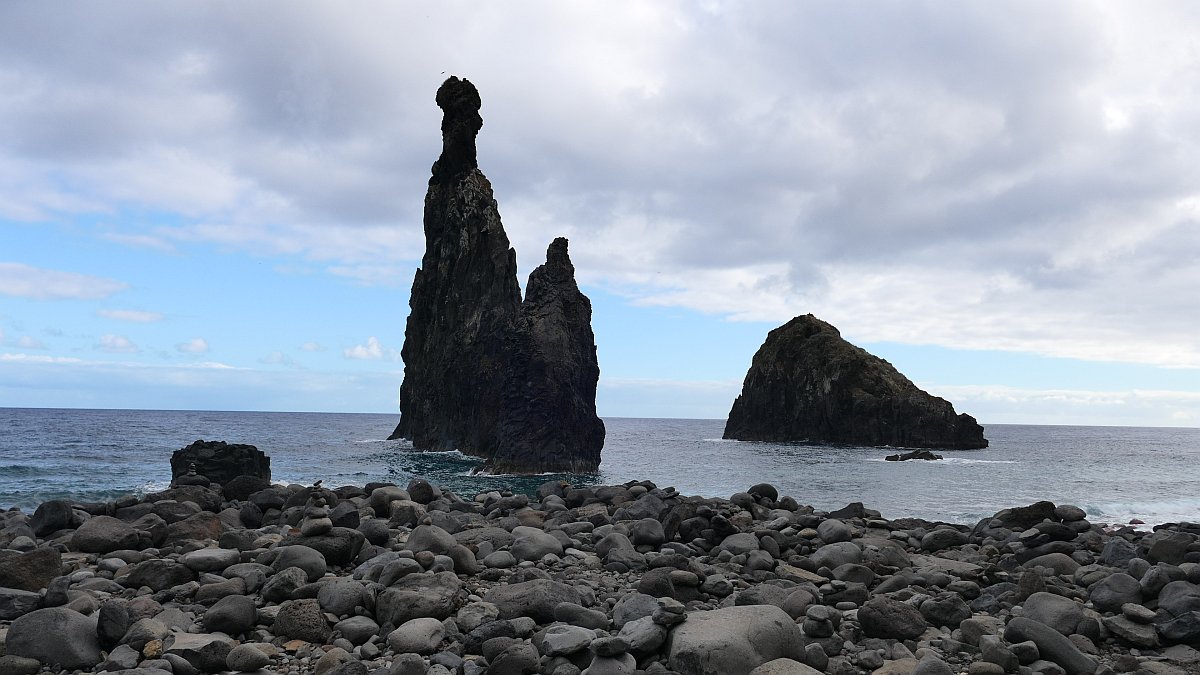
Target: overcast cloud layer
(995, 176)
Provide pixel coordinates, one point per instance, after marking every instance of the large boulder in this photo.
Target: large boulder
(340, 545)
(806, 383)
(883, 617)
(52, 516)
(1052, 645)
(734, 640)
(417, 596)
(302, 620)
(221, 462)
(104, 534)
(205, 652)
(486, 373)
(31, 571)
(535, 599)
(156, 574)
(55, 635)
(1061, 614)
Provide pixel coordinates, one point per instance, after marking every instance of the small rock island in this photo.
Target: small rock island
(806, 383)
(486, 373)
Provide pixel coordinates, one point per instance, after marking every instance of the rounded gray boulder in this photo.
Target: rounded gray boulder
(734, 640)
(55, 635)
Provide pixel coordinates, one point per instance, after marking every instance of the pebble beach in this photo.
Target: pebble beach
(633, 578)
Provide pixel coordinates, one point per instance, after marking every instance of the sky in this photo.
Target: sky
(217, 205)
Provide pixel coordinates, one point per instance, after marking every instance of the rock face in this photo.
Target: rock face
(221, 462)
(806, 383)
(486, 373)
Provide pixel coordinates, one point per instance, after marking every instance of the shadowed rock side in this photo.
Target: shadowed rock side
(806, 383)
(484, 373)
(550, 393)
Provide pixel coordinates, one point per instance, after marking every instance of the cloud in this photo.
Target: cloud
(135, 315)
(116, 344)
(312, 347)
(278, 358)
(1015, 177)
(38, 358)
(45, 381)
(24, 281)
(146, 241)
(193, 346)
(27, 342)
(1133, 407)
(372, 351)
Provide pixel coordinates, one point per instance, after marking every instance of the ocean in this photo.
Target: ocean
(1114, 473)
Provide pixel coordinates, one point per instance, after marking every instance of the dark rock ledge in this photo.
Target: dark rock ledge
(631, 578)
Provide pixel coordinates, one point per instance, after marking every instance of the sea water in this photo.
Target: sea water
(1114, 473)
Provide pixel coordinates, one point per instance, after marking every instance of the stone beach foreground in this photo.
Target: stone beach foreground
(633, 578)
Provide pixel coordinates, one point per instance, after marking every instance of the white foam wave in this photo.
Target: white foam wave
(484, 473)
(720, 440)
(447, 453)
(152, 486)
(946, 460)
(1149, 512)
(373, 440)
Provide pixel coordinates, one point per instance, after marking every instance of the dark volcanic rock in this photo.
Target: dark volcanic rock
(485, 373)
(549, 419)
(221, 462)
(806, 383)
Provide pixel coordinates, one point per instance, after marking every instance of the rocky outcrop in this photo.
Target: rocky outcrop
(915, 454)
(806, 383)
(220, 462)
(486, 373)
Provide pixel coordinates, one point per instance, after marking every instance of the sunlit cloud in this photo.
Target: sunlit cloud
(371, 351)
(25, 281)
(27, 342)
(193, 346)
(116, 344)
(134, 315)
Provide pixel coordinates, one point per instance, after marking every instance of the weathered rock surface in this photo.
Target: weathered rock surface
(489, 375)
(806, 383)
(221, 462)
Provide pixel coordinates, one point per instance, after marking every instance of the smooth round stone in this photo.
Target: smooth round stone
(357, 629)
(1137, 613)
(499, 560)
(609, 646)
(247, 657)
(563, 640)
(211, 559)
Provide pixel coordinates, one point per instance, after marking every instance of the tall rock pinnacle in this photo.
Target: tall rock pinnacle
(485, 373)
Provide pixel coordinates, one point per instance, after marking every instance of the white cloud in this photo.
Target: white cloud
(116, 344)
(135, 315)
(1015, 177)
(37, 358)
(278, 358)
(193, 346)
(1135, 407)
(312, 347)
(147, 241)
(27, 342)
(25, 281)
(372, 351)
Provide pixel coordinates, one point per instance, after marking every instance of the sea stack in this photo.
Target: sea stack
(806, 383)
(486, 373)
